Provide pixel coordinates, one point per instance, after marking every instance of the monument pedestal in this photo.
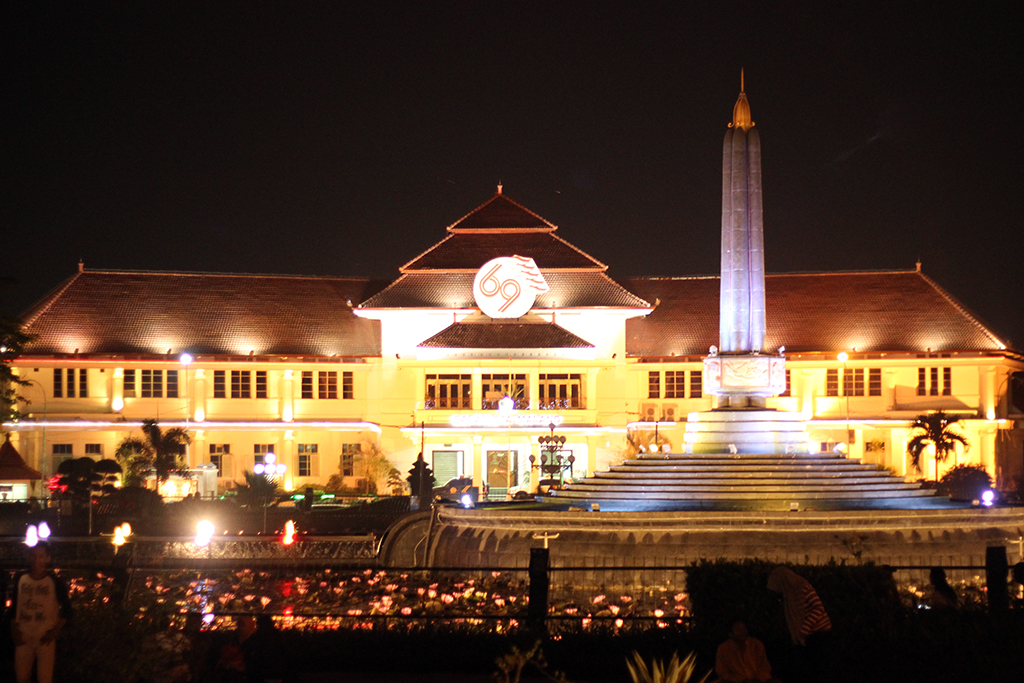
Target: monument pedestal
(741, 423)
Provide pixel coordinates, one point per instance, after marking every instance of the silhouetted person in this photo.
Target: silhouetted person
(741, 658)
(807, 621)
(943, 595)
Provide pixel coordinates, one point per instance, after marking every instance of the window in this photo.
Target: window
(788, 391)
(307, 384)
(496, 387)
(874, 381)
(219, 384)
(348, 459)
(675, 384)
(83, 383)
(853, 382)
(58, 383)
(94, 449)
(327, 384)
(217, 453)
(347, 382)
(152, 383)
(928, 382)
(61, 452)
(241, 386)
(654, 384)
(448, 392)
(172, 384)
(259, 452)
(560, 391)
(306, 460)
(261, 384)
(71, 383)
(129, 383)
(832, 382)
(697, 384)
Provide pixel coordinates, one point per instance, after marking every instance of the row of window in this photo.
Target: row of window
(675, 384)
(454, 391)
(853, 382)
(64, 383)
(555, 391)
(307, 454)
(69, 383)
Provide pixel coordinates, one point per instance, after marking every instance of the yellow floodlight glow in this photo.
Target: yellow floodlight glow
(843, 357)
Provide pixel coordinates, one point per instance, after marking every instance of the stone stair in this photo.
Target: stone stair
(746, 481)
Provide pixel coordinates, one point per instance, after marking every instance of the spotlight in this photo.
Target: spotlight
(988, 497)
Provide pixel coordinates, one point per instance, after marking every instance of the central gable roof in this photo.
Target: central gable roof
(501, 227)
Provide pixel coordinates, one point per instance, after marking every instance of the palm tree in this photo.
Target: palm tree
(258, 490)
(936, 429)
(161, 450)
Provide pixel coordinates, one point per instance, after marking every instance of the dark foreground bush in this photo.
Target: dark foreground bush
(965, 482)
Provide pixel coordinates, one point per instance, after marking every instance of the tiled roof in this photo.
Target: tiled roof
(455, 290)
(505, 335)
(119, 312)
(12, 465)
(501, 227)
(501, 213)
(873, 312)
(469, 251)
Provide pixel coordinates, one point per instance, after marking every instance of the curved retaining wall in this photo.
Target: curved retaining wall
(493, 538)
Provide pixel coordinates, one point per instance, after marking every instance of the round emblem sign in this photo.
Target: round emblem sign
(506, 287)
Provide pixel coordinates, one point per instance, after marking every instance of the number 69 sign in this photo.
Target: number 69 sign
(506, 287)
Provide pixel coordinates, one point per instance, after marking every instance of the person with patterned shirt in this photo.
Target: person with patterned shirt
(807, 621)
(40, 607)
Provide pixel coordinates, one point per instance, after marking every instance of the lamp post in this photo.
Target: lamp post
(42, 451)
(551, 462)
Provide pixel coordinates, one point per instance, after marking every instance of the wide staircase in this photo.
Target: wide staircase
(746, 481)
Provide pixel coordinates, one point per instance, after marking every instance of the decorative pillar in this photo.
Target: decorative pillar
(117, 391)
(287, 400)
(590, 400)
(987, 393)
(199, 399)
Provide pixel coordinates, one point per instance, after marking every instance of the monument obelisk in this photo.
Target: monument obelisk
(739, 372)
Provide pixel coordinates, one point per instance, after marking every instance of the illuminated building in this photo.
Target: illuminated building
(313, 368)
(494, 336)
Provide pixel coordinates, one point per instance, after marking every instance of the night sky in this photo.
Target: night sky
(314, 138)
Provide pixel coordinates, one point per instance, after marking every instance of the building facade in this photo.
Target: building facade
(484, 343)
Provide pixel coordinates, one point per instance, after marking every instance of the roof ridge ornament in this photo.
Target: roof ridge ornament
(741, 111)
(499, 187)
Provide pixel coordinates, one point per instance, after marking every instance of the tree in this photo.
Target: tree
(936, 429)
(161, 450)
(12, 343)
(377, 468)
(259, 490)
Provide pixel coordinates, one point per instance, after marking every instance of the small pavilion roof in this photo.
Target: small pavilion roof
(505, 335)
(12, 465)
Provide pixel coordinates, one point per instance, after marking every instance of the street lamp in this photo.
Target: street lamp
(551, 461)
(42, 452)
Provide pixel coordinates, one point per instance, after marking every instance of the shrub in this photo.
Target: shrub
(965, 482)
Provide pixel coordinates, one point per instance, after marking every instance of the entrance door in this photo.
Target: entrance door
(446, 466)
(498, 480)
